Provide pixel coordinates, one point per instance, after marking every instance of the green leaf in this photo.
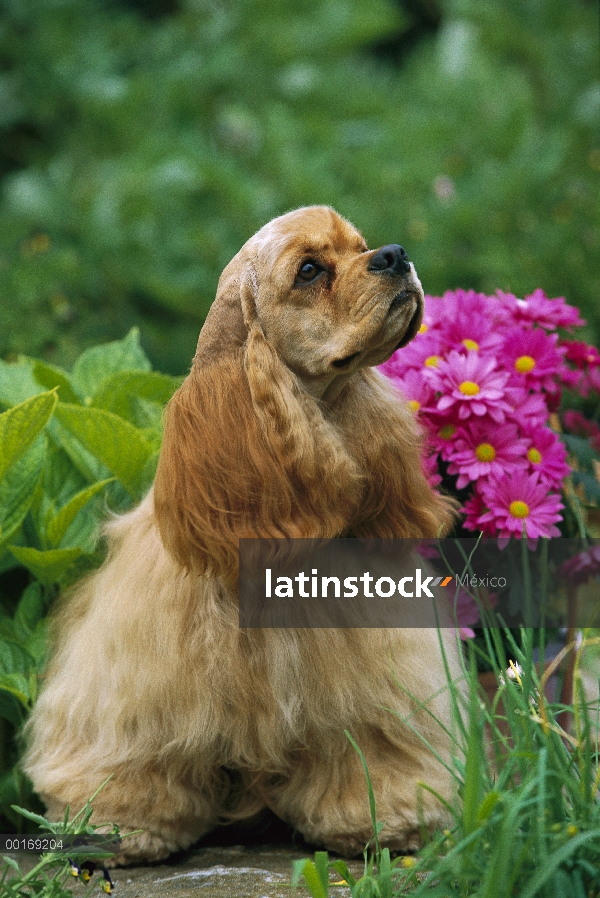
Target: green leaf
(49, 566)
(20, 425)
(96, 364)
(581, 448)
(85, 463)
(59, 523)
(124, 395)
(18, 488)
(50, 376)
(31, 608)
(487, 806)
(308, 870)
(17, 382)
(115, 442)
(16, 685)
(14, 659)
(42, 822)
(11, 708)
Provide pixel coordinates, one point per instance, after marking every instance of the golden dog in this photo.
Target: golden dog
(282, 429)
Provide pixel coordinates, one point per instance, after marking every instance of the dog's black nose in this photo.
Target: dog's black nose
(390, 258)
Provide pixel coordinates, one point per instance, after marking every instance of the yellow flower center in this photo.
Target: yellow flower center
(413, 405)
(485, 452)
(432, 361)
(447, 432)
(534, 456)
(423, 329)
(469, 388)
(519, 509)
(471, 344)
(524, 364)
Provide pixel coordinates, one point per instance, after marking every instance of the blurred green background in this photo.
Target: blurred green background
(143, 141)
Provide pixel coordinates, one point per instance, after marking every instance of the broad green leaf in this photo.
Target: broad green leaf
(17, 382)
(20, 425)
(18, 685)
(60, 522)
(137, 396)
(50, 376)
(85, 463)
(31, 608)
(14, 659)
(36, 644)
(115, 442)
(18, 489)
(96, 364)
(61, 478)
(11, 708)
(49, 566)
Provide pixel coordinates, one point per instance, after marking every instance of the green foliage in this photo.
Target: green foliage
(137, 155)
(70, 446)
(527, 820)
(49, 877)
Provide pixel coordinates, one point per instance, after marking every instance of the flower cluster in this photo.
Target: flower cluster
(485, 375)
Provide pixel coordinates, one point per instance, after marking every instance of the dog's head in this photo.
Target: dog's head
(277, 431)
(326, 303)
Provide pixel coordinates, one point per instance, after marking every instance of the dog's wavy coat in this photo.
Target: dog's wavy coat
(282, 429)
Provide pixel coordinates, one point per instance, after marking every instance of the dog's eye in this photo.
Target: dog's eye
(308, 272)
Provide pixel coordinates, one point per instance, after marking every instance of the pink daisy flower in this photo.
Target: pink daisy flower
(578, 424)
(525, 406)
(520, 502)
(470, 333)
(443, 434)
(581, 354)
(473, 509)
(579, 569)
(590, 382)
(416, 388)
(482, 449)
(538, 309)
(470, 385)
(458, 303)
(532, 357)
(547, 455)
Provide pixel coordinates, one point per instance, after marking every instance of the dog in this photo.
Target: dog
(284, 429)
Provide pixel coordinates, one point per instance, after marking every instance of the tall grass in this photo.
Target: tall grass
(527, 817)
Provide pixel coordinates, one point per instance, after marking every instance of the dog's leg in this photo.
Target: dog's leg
(326, 796)
(172, 814)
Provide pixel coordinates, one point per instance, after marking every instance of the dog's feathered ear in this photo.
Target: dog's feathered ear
(246, 451)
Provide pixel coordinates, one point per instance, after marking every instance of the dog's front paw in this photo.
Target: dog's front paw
(144, 848)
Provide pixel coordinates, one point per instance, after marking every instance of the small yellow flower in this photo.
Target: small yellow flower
(572, 831)
(408, 862)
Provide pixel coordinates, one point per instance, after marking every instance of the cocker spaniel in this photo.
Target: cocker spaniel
(282, 429)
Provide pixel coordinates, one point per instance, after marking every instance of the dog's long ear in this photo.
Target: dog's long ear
(246, 451)
(381, 432)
